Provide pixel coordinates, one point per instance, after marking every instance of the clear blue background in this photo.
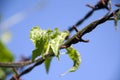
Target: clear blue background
(100, 57)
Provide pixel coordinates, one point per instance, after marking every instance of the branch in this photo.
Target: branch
(15, 64)
(102, 4)
(73, 40)
(38, 62)
(78, 37)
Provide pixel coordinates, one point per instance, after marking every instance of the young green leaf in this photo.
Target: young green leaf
(47, 63)
(40, 38)
(35, 53)
(76, 58)
(57, 40)
(35, 34)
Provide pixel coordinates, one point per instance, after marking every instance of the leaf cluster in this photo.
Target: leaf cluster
(49, 41)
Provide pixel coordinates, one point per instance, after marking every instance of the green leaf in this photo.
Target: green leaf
(75, 57)
(5, 54)
(47, 63)
(35, 34)
(40, 38)
(57, 40)
(35, 53)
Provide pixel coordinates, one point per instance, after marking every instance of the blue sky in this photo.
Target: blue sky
(100, 57)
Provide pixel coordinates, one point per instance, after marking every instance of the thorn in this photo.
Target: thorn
(82, 40)
(77, 38)
(90, 6)
(75, 28)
